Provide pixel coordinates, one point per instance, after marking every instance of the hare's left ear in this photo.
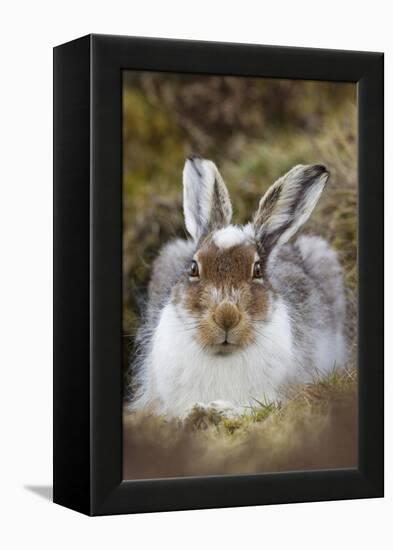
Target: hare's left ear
(288, 203)
(205, 198)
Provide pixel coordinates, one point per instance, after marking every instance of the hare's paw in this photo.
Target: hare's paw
(225, 408)
(199, 417)
(202, 415)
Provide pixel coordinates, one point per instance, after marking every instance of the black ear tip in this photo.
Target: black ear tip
(194, 156)
(320, 169)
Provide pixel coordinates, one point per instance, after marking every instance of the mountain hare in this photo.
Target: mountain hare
(236, 313)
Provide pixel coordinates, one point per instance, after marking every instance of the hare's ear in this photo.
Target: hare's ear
(206, 201)
(288, 203)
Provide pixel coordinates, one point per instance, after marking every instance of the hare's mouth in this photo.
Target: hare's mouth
(223, 341)
(224, 348)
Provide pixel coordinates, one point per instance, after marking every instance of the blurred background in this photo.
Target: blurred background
(254, 130)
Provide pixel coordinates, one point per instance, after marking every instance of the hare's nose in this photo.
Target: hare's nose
(227, 316)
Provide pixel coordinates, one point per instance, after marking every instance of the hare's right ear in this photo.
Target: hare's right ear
(206, 200)
(288, 203)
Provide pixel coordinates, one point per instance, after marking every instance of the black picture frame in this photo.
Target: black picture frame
(88, 274)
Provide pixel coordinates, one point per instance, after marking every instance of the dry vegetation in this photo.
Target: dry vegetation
(254, 130)
(316, 429)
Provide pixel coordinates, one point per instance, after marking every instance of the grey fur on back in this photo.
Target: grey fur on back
(166, 270)
(307, 275)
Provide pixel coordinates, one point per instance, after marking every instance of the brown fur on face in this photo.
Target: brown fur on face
(225, 298)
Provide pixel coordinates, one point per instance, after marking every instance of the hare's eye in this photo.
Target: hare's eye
(194, 270)
(257, 273)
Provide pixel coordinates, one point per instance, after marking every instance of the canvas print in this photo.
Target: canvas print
(239, 275)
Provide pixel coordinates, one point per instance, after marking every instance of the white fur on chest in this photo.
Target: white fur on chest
(179, 373)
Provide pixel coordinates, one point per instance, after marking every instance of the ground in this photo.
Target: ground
(314, 429)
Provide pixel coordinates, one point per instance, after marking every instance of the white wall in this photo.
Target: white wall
(28, 32)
